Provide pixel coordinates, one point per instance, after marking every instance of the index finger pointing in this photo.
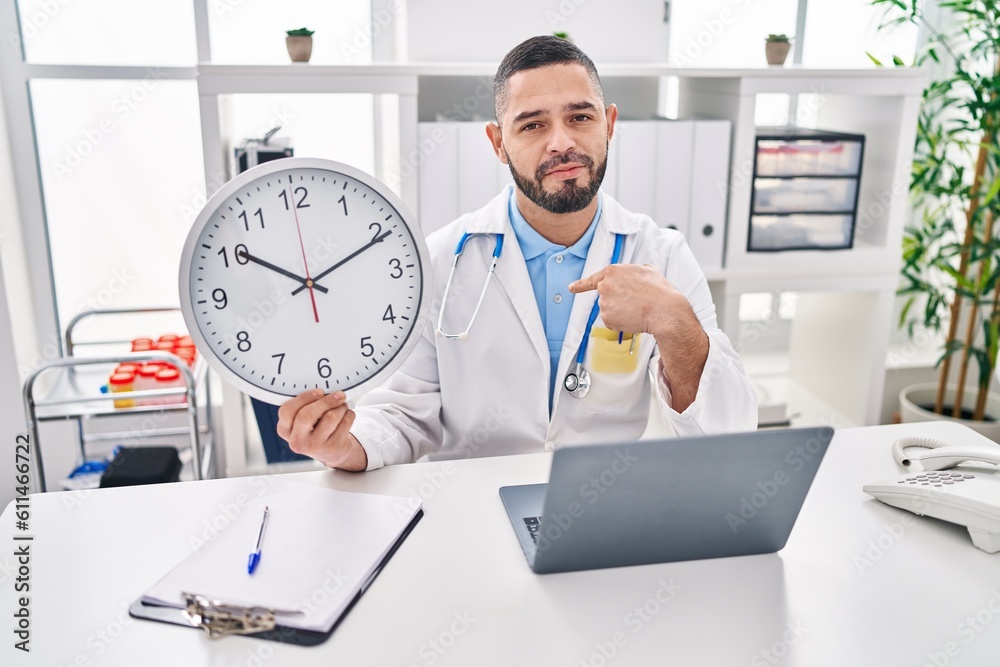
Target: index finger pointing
(586, 284)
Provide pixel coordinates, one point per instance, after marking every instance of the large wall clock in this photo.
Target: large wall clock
(304, 273)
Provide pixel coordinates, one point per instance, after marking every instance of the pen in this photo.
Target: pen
(631, 346)
(255, 556)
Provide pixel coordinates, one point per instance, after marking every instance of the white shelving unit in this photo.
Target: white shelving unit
(842, 327)
(835, 365)
(841, 332)
(835, 369)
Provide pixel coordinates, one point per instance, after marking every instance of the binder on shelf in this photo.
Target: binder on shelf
(675, 171)
(637, 159)
(672, 195)
(709, 187)
(315, 539)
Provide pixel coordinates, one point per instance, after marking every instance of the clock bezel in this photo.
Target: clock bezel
(286, 164)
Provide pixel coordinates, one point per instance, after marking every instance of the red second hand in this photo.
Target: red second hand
(309, 282)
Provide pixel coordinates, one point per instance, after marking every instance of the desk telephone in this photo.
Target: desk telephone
(968, 495)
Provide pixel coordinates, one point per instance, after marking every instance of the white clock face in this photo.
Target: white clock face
(304, 273)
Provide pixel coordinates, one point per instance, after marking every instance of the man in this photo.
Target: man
(506, 387)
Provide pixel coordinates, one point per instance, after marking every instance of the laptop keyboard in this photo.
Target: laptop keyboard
(533, 522)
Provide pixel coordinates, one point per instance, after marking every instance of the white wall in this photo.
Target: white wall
(13, 260)
(17, 330)
(11, 412)
(609, 31)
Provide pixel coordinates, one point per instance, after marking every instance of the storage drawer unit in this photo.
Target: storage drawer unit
(806, 184)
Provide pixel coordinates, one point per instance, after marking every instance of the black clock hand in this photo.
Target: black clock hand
(278, 269)
(377, 239)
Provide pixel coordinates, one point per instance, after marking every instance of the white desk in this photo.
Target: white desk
(859, 583)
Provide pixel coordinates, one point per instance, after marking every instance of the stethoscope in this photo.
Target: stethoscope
(577, 381)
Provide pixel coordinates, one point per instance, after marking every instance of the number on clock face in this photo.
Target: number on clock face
(305, 278)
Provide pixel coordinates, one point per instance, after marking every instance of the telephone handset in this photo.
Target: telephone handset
(968, 495)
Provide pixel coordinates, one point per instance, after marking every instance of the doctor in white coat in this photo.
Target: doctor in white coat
(505, 389)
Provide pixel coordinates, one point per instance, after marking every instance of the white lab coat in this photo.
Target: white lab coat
(488, 395)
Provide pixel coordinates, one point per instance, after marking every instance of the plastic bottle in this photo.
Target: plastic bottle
(120, 382)
(145, 379)
(170, 378)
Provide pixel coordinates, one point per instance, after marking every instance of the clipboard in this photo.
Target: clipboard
(220, 619)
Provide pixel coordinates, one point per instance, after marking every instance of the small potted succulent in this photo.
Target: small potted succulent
(299, 43)
(776, 49)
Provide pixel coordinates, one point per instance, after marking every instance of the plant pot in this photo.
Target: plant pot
(299, 48)
(776, 52)
(916, 395)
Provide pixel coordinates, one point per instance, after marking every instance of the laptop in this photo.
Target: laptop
(658, 501)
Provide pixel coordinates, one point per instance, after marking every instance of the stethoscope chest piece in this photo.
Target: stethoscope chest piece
(578, 383)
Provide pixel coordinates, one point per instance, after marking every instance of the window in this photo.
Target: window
(253, 33)
(121, 161)
(726, 33)
(838, 34)
(108, 32)
(121, 164)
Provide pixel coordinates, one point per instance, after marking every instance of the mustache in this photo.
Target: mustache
(565, 158)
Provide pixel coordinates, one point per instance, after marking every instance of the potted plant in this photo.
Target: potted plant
(951, 249)
(299, 43)
(776, 48)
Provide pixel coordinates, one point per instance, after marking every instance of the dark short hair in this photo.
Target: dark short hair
(534, 53)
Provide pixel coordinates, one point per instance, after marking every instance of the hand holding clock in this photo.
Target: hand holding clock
(319, 426)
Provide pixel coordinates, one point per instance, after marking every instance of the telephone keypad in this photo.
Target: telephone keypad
(935, 478)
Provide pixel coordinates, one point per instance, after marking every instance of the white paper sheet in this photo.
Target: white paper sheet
(319, 548)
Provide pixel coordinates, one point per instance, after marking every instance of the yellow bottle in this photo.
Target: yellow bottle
(121, 382)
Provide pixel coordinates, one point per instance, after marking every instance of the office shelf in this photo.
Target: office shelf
(880, 103)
